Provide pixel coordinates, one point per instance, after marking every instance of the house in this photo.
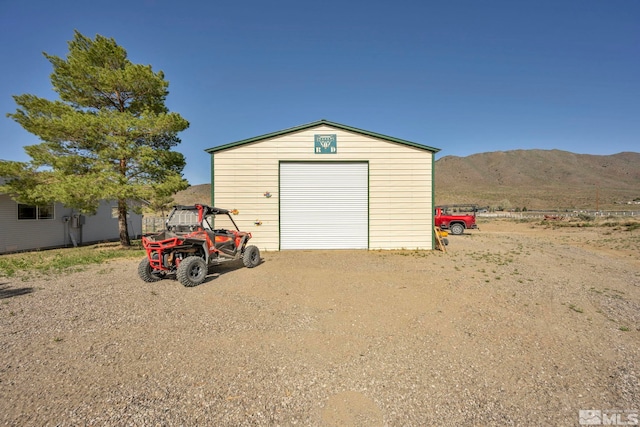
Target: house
(26, 227)
(325, 185)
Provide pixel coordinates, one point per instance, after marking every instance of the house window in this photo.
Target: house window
(115, 213)
(45, 212)
(35, 212)
(27, 212)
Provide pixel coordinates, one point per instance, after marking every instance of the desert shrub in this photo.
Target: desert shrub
(610, 224)
(631, 225)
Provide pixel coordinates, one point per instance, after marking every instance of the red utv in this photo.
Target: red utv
(196, 238)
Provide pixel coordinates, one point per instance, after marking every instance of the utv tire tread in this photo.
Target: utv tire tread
(251, 256)
(192, 271)
(146, 272)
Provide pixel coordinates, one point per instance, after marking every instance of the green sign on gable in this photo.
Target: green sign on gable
(326, 144)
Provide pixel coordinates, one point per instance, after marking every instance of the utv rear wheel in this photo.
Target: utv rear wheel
(251, 256)
(146, 272)
(192, 271)
(456, 229)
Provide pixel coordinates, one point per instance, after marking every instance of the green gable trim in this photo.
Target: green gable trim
(433, 202)
(320, 123)
(213, 186)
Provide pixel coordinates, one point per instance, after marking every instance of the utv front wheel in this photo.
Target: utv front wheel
(192, 271)
(146, 272)
(251, 256)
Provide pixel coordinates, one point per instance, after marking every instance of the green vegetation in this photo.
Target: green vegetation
(576, 308)
(498, 258)
(526, 220)
(622, 225)
(108, 137)
(586, 221)
(419, 253)
(586, 217)
(632, 226)
(64, 260)
(611, 293)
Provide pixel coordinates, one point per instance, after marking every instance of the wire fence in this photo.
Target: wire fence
(542, 214)
(152, 224)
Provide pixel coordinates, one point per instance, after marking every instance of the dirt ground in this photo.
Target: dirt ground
(516, 324)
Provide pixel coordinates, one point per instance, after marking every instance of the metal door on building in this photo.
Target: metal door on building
(324, 205)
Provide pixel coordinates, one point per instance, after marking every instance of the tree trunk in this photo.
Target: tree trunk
(122, 224)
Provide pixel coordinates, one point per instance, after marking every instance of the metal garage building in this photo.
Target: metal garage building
(324, 185)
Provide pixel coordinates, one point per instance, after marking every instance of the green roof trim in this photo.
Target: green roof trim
(320, 123)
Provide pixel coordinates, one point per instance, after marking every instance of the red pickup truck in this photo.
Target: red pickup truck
(456, 223)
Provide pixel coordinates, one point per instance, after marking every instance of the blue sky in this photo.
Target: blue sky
(466, 76)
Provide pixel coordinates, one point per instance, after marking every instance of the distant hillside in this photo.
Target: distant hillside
(535, 179)
(200, 193)
(539, 179)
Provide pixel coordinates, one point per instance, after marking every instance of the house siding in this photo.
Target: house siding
(102, 226)
(21, 235)
(25, 234)
(400, 185)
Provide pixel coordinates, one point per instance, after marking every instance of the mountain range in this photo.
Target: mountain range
(539, 179)
(519, 179)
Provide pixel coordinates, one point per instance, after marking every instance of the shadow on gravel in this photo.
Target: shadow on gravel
(7, 291)
(227, 267)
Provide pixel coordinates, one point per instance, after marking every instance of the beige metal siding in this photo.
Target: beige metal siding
(399, 185)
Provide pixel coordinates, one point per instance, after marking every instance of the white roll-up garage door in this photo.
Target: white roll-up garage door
(324, 205)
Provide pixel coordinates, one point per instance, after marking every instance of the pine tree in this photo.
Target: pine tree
(109, 136)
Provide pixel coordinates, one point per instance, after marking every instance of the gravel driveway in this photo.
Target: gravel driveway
(514, 325)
